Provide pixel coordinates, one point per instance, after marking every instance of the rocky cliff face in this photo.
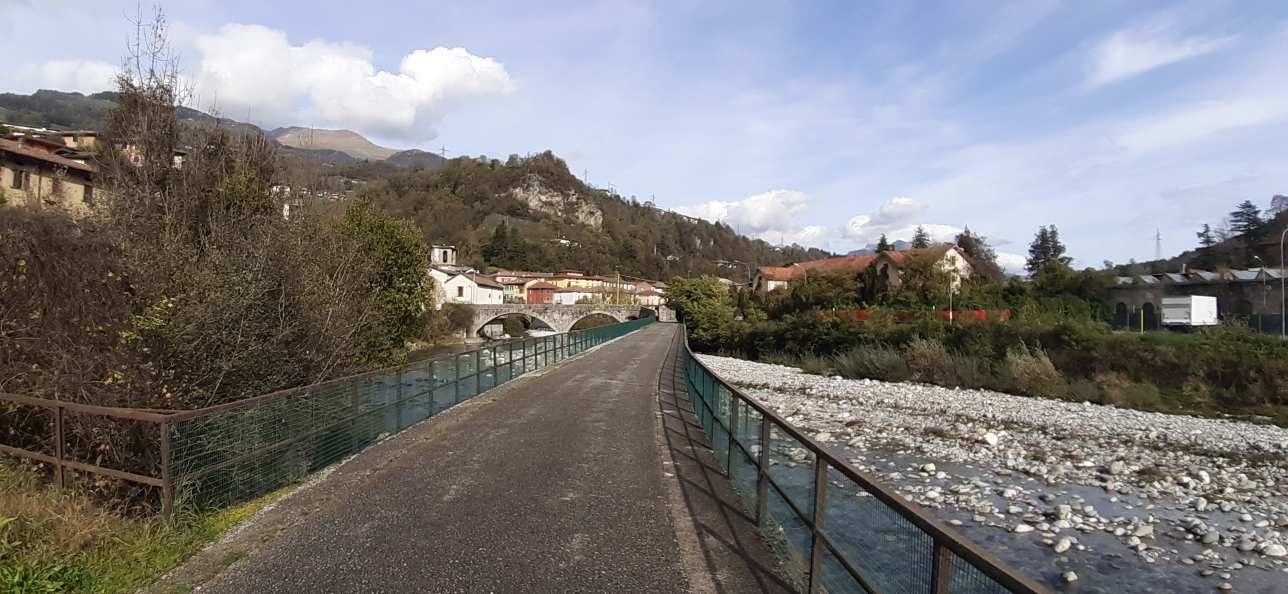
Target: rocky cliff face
(541, 198)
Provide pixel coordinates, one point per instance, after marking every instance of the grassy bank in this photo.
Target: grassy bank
(54, 541)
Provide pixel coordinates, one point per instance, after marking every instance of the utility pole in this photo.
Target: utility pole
(442, 151)
(1158, 244)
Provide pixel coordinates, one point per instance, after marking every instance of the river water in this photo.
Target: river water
(897, 557)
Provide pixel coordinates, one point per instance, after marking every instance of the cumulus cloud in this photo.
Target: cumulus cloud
(773, 216)
(1011, 263)
(86, 76)
(895, 213)
(1135, 51)
(256, 72)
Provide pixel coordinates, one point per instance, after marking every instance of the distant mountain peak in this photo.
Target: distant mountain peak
(345, 141)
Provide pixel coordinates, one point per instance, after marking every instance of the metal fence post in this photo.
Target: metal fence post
(762, 475)
(820, 505)
(941, 569)
(478, 374)
(398, 407)
(167, 481)
(456, 362)
(733, 429)
(58, 446)
(353, 416)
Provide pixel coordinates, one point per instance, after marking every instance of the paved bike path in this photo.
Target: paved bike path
(553, 483)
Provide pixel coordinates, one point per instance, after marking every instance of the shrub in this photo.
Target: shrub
(814, 364)
(972, 372)
(1033, 374)
(875, 362)
(928, 361)
(1119, 390)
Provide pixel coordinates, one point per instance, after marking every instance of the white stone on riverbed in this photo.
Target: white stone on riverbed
(1160, 475)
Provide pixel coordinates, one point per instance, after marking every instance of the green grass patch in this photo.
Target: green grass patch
(53, 541)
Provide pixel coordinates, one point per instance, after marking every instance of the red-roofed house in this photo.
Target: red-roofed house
(769, 278)
(541, 292)
(41, 173)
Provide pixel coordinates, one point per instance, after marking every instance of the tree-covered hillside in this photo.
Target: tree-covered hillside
(532, 213)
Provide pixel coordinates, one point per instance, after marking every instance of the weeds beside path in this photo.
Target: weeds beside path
(54, 541)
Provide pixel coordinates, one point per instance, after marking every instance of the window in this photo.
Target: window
(18, 176)
(460, 291)
(89, 194)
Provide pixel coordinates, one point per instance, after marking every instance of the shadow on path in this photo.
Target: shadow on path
(732, 552)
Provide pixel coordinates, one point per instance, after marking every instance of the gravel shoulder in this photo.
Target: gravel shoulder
(1201, 503)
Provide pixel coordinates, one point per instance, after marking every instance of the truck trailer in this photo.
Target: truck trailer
(1189, 311)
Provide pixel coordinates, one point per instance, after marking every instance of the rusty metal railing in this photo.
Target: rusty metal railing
(838, 528)
(230, 452)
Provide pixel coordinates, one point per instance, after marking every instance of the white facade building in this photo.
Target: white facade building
(469, 288)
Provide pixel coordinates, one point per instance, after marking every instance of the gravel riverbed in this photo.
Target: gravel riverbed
(1096, 498)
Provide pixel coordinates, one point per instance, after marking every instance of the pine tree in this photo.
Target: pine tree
(982, 256)
(920, 239)
(1046, 249)
(497, 248)
(1206, 239)
(1246, 219)
(883, 244)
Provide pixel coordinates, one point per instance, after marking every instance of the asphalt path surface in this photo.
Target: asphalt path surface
(558, 482)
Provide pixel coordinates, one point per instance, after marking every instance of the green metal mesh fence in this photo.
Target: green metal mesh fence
(835, 529)
(227, 454)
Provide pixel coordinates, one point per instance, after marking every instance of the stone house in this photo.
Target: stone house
(43, 173)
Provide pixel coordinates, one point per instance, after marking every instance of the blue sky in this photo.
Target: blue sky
(823, 123)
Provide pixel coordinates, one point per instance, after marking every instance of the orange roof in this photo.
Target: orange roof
(779, 273)
(845, 264)
(542, 286)
(901, 257)
(17, 149)
(841, 265)
(486, 281)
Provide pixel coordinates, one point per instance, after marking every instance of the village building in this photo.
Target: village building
(541, 292)
(473, 289)
(650, 297)
(442, 255)
(888, 264)
(44, 173)
(1253, 295)
(573, 296)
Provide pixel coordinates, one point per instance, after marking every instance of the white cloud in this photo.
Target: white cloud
(1135, 51)
(254, 71)
(867, 228)
(773, 216)
(938, 233)
(1193, 122)
(86, 76)
(1011, 263)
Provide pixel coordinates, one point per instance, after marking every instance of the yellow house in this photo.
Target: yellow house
(32, 174)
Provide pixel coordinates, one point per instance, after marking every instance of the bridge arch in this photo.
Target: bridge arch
(615, 318)
(529, 321)
(560, 318)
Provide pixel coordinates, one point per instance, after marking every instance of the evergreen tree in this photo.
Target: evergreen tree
(1246, 219)
(920, 239)
(982, 256)
(883, 244)
(1046, 249)
(1206, 238)
(497, 249)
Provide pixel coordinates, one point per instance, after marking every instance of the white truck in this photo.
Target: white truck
(1189, 311)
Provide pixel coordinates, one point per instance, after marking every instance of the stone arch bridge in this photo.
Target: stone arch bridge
(561, 318)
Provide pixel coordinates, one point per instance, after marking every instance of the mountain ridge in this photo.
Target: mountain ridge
(63, 110)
